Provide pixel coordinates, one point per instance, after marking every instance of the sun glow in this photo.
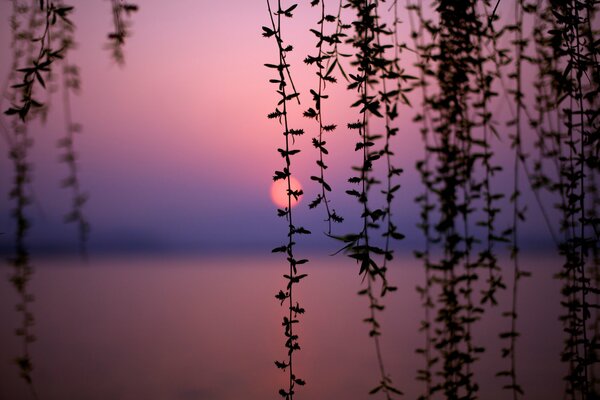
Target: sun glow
(279, 192)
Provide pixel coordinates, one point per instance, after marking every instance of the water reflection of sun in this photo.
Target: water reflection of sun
(279, 192)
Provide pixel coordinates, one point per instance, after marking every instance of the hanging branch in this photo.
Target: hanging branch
(550, 146)
(38, 53)
(579, 346)
(37, 49)
(370, 61)
(423, 54)
(475, 138)
(325, 76)
(335, 55)
(293, 277)
(71, 84)
(501, 58)
(567, 117)
(41, 64)
(592, 113)
(518, 212)
(390, 71)
(488, 256)
(122, 12)
(455, 151)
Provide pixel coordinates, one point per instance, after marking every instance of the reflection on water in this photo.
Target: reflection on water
(208, 328)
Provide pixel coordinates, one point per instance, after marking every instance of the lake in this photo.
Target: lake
(192, 327)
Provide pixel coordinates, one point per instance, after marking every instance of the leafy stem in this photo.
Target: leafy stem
(121, 12)
(317, 112)
(292, 277)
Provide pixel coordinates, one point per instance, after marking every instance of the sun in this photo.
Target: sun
(279, 192)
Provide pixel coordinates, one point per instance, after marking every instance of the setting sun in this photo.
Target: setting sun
(279, 192)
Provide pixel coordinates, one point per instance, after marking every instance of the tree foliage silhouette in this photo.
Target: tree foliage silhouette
(42, 37)
(468, 58)
(465, 70)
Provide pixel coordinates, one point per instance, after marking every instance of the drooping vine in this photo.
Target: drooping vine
(390, 74)
(458, 201)
(287, 94)
(485, 77)
(460, 204)
(42, 37)
(32, 75)
(325, 69)
(122, 12)
(34, 54)
(71, 85)
(449, 173)
(370, 62)
(566, 102)
(423, 50)
(509, 350)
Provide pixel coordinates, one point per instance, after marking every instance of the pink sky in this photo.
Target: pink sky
(176, 147)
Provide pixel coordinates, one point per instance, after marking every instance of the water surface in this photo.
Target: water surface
(209, 328)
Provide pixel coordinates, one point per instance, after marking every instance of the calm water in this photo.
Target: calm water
(209, 328)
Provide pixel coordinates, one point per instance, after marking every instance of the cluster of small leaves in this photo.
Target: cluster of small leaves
(487, 257)
(42, 35)
(464, 57)
(281, 113)
(423, 50)
(41, 64)
(372, 66)
(391, 75)
(22, 270)
(568, 139)
(122, 12)
(20, 280)
(457, 127)
(326, 62)
(509, 350)
(26, 21)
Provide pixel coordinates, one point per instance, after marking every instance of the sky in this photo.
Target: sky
(176, 151)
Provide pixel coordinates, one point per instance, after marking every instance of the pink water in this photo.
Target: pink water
(210, 328)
